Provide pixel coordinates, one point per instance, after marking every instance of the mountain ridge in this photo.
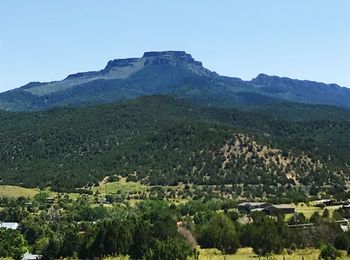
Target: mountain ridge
(174, 73)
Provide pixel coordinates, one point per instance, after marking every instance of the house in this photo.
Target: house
(50, 200)
(303, 226)
(280, 209)
(323, 203)
(247, 207)
(29, 256)
(344, 224)
(345, 228)
(9, 225)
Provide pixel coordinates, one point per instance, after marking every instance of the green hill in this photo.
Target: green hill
(166, 141)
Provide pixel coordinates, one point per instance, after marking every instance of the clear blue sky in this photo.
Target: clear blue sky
(44, 40)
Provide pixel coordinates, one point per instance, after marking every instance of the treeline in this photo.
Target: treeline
(158, 229)
(83, 231)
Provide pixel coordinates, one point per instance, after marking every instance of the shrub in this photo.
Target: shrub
(329, 253)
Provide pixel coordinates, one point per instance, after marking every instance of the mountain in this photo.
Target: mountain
(303, 91)
(161, 140)
(173, 73)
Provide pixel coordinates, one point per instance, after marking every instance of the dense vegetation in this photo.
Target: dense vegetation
(163, 141)
(157, 229)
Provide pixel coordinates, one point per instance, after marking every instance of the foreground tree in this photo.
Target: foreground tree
(172, 249)
(12, 244)
(220, 233)
(329, 253)
(267, 237)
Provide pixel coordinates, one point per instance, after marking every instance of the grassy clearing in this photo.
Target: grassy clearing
(309, 210)
(16, 191)
(11, 191)
(248, 254)
(121, 186)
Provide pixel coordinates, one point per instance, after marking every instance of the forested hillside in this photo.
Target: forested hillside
(162, 140)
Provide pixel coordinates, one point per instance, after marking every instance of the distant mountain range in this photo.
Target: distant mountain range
(173, 73)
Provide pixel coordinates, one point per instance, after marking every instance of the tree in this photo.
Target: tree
(220, 233)
(329, 253)
(267, 238)
(315, 218)
(172, 249)
(141, 238)
(12, 244)
(113, 237)
(341, 242)
(325, 214)
(298, 218)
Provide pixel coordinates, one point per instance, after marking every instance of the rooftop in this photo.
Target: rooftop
(9, 225)
(252, 203)
(283, 206)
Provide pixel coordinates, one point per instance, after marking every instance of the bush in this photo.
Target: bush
(341, 242)
(172, 249)
(329, 253)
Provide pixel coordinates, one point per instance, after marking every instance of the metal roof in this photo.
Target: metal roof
(9, 225)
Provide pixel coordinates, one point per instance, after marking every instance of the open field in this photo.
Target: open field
(12, 191)
(248, 254)
(309, 210)
(121, 186)
(16, 191)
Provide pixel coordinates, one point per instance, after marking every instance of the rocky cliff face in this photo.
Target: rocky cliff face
(118, 63)
(169, 57)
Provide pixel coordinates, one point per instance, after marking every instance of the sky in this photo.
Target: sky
(44, 40)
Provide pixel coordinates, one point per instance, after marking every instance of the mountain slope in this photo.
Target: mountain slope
(303, 91)
(162, 140)
(173, 73)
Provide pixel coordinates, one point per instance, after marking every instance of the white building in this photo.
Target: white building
(29, 256)
(9, 225)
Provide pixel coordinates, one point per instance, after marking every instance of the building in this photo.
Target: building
(50, 200)
(280, 209)
(29, 256)
(346, 206)
(9, 225)
(323, 203)
(345, 228)
(247, 207)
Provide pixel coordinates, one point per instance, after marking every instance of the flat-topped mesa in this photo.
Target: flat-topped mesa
(166, 53)
(169, 57)
(150, 58)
